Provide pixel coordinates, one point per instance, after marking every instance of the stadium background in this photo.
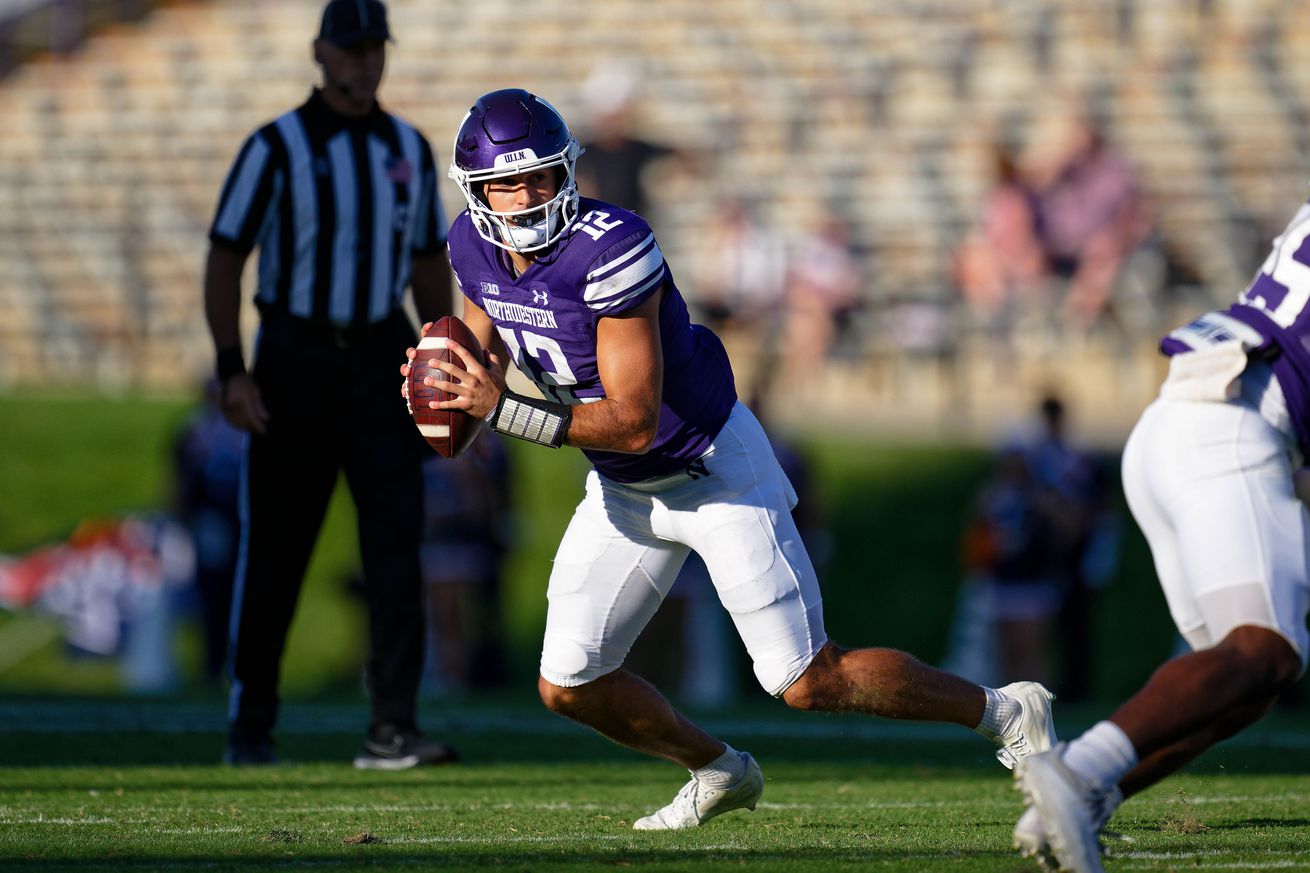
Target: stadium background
(120, 118)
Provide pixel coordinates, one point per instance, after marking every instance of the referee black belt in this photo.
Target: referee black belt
(326, 333)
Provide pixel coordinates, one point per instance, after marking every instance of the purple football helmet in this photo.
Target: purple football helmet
(507, 133)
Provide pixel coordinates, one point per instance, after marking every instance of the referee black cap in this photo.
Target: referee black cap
(349, 22)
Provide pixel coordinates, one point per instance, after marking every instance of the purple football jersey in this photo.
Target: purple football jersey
(1272, 319)
(607, 263)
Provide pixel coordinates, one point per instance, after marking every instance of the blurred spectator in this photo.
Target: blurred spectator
(1007, 551)
(466, 516)
(824, 286)
(1086, 538)
(1091, 217)
(206, 474)
(740, 273)
(1000, 267)
(1042, 540)
(616, 159)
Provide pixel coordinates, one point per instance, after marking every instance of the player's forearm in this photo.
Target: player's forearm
(614, 426)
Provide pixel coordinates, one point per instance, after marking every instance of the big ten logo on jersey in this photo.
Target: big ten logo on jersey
(596, 222)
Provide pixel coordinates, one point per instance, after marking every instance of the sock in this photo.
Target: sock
(1103, 755)
(1000, 716)
(723, 770)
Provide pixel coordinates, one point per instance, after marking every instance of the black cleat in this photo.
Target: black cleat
(249, 751)
(390, 748)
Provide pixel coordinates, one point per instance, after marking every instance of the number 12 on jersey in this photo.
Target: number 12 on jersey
(542, 359)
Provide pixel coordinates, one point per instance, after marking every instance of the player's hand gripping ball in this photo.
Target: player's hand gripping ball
(448, 431)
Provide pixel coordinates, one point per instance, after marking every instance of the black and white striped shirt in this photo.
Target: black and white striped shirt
(338, 207)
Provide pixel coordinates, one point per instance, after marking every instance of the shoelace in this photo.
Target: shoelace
(1012, 751)
(686, 793)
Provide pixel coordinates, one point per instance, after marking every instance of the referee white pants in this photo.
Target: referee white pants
(1210, 485)
(624, 547)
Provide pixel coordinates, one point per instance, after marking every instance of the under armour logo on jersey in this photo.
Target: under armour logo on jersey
(697, 469)
(539, 298)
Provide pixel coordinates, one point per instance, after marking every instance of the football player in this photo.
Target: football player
(577, 294)
(1209, 475)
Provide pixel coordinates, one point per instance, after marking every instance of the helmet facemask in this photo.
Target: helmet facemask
(524, 230)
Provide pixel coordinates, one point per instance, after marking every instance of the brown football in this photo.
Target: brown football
(448, 431)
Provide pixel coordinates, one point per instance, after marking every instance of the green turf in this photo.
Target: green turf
(90, 783)
(137, 791)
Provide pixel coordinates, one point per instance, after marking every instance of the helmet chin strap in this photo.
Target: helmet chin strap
(528, 237)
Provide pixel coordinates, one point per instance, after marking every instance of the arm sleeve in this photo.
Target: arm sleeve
(247, 195)
(625, 274)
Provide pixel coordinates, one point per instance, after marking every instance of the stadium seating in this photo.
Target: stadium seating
(111, 157)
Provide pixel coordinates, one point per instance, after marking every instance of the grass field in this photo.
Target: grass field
(103, 785)
(90, 781)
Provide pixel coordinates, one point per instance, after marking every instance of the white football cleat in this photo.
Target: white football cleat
(697, 803)
(1030, 834)
(1030, 839)
(1035, 731)
(1067, 807)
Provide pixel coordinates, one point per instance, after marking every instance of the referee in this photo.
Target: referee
(340, 197)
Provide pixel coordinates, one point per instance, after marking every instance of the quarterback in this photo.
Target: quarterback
(577, 294)
(1209, 472)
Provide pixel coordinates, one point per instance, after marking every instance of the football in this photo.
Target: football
(448, 431)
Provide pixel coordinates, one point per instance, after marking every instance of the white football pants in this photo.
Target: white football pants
(624, 547)
(1210, 485)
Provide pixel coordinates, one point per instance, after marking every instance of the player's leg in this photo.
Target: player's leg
(738, 519)
(1211, 487)
(887, 683)
(1173, 757)
(1210, 694)
(627, 709)
(610, 574)
(894, 684)
(1191, 703)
